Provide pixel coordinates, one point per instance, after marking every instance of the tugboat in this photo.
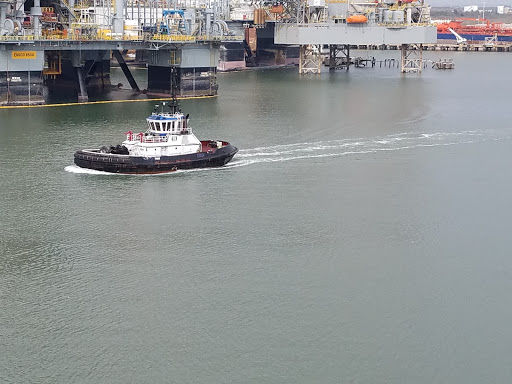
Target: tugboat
(167, 145)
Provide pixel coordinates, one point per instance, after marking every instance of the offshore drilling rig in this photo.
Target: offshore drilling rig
(59, 43)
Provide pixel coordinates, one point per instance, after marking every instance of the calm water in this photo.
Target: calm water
(361, 235)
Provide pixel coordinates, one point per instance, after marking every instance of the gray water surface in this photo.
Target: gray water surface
(360, 235)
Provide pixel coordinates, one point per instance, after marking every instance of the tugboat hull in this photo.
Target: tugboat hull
(126, 164)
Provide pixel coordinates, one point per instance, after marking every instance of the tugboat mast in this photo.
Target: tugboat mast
(174, 105)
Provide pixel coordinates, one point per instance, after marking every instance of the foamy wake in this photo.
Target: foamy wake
(76, 169)
(336, 148)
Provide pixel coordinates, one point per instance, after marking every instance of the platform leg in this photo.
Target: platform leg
(82, 95)
(347, 55)
(411, 60)
(126, 70)
(310, 59)
(339, 57)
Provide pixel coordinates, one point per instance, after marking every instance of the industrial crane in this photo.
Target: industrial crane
(459, 38)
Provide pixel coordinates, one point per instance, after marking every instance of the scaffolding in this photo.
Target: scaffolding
(310, 59)
(411, 58)
(339, 57)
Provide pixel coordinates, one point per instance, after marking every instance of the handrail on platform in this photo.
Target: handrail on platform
(17, 38)
(138, 38)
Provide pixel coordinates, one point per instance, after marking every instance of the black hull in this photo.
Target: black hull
(113, 163)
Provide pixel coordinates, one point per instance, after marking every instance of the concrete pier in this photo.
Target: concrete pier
(444, 46)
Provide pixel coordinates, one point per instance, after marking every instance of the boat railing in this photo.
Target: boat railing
(154, 139)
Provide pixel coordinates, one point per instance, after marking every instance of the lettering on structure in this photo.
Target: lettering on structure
(24, 54)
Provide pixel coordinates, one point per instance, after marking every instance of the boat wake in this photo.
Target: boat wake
(76, 169)
(336, 148)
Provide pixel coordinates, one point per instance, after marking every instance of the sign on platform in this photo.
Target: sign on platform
(24, 54)
(317, 3)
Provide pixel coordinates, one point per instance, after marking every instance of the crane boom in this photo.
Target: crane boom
(459, 38)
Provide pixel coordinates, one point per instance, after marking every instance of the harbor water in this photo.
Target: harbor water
(360, 235)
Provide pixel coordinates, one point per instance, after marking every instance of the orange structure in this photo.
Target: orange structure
(357, 19)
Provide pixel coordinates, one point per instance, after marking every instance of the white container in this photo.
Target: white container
(398, 17)
(388, 16)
